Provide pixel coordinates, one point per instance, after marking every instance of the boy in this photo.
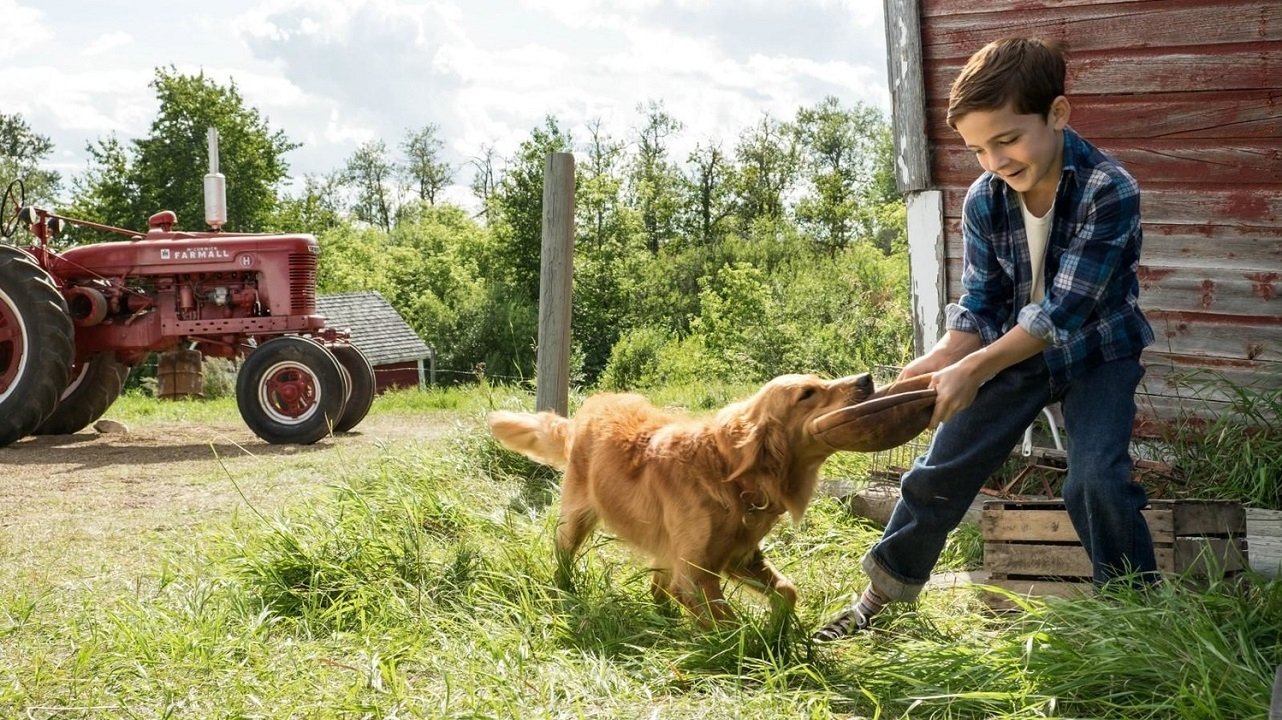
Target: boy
(1049, 312)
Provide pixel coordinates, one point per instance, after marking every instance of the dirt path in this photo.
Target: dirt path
(92, 508)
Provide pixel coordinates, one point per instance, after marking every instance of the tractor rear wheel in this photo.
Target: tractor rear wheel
(361, 396)
(36, 346)
(290, 390)
(95, 385)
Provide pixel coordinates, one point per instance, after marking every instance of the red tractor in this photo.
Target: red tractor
(73, 322)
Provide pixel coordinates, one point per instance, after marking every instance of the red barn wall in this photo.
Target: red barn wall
(1188, 95)
(403, 375)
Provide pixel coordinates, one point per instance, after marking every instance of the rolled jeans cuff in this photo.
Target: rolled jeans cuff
(888, 584)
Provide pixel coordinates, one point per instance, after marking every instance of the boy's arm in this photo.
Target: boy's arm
(957, 384)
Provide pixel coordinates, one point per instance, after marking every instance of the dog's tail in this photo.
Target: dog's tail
(544, 438)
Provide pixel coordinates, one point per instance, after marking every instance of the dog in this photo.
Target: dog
(695, 494)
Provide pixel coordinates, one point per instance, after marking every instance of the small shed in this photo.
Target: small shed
(1188, 96)
(399, 356)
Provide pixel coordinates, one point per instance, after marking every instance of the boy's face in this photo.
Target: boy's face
(1026, 151)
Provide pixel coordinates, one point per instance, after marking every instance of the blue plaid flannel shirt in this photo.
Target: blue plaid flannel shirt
(1090, 313)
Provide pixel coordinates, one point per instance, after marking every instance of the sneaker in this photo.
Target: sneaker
(850, 622)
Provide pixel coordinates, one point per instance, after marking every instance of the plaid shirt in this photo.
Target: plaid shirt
(1091, 312)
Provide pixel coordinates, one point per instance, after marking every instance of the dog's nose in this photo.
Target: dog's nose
(864, 382)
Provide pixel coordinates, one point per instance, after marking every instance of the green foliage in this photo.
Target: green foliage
(1238, 454)
(634, 359)
(370, 172)
(314, 210)
(22, 150)
(518, 211)
(830, 315)
(165, 170)
(424, 169)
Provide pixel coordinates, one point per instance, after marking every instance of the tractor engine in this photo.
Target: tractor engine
(136, 297)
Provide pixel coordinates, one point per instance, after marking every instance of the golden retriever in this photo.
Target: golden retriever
(696, 494)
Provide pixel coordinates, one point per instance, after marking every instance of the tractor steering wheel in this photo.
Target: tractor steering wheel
(9, 220)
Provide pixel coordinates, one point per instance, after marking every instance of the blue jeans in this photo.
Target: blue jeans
(1102, 500)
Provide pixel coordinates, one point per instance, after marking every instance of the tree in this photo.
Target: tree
(597, 198)
(655, 179)
(518, 206)
(841, 157)
(370, 173)
(317, 209)
(768, 163)
(710, 201)
(423, 165)
(21, 152)
(165, 170)
(485, 179)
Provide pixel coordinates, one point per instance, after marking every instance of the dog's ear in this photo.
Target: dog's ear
(753, 443)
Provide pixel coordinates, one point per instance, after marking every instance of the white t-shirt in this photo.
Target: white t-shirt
(1038, 230)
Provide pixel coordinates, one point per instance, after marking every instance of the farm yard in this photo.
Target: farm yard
(186, 569)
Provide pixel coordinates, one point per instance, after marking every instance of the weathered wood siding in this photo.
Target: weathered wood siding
(1188, 95)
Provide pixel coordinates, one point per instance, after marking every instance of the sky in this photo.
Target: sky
(333, 74)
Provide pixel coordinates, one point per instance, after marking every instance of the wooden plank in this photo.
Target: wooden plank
(1209, 557)
(926, 257)
(1106, 28)
(1205, 518)
(1252, 205)
(1037, 560)
(907, 95)
(1174, 115)
(1027, 525)
(1263, 523)
(1206, 379)
(1256, 249)
(1244, 161)
(1119, 73)
(1214, 293)
(939, 8)
(1053, 524)
(1059, 561)
(1265, 555)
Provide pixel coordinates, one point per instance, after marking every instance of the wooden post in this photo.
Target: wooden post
(907, 94)
(556, 276)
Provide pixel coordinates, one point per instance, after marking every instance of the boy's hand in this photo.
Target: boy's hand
(956, 387)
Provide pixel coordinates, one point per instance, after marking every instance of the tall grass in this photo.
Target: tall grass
(423, 587)
(1238, 454)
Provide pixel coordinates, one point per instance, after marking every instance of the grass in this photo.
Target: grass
(421, 585)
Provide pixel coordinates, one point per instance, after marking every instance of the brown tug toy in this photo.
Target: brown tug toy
(889, 418)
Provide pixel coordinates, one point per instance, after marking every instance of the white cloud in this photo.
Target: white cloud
(106, 43)
(333, 74)
(26, 34)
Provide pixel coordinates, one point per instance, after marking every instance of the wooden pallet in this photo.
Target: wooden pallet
(1031, 548)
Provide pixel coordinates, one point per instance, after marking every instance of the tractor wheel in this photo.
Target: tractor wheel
(95, 385)
(36, 346)
(361, 396)
(290, 390)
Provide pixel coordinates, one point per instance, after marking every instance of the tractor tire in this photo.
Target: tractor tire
(290, 390)
(361, 395)
(36, 346)
(95, 385)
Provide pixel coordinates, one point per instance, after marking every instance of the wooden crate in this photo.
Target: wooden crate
(1031, 548)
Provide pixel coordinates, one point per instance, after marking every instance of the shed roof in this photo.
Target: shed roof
(376, 328)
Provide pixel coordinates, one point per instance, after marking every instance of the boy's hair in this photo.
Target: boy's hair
(1027, 72)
